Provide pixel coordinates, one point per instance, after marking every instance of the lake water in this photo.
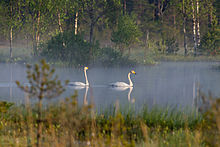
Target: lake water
(164, 84)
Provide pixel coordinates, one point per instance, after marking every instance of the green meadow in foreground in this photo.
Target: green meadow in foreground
(68, 124)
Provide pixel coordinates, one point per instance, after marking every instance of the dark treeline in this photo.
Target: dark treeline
(164, 26)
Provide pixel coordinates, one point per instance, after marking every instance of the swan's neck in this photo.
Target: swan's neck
(129, 78)
(87, 82)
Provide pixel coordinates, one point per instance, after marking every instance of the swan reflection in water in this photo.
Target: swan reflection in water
(123, 89)
(85, 101)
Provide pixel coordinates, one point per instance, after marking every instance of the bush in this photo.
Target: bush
(127, 32)
(210, 42)
(108, 57)
(168, 46)
(67, 47)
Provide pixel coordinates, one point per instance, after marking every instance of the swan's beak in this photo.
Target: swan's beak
(86, 68)
(133, 72)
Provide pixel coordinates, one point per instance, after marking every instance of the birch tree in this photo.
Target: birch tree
(194, 26)
(95, 10)
(198, 25)
(184, 26)
(38, 16)
(185, 8)
(11, 20)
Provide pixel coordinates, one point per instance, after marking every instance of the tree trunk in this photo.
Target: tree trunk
(210, 15)
(34, 38)
(38, 32)
(91, 32)
(124, 7)
(59, 22)
(185, 37)
(39, 127)
(194, 28)
(76, 23)
(198, 26)
(146, 43)
(129, 51)
(154, 11)
(10, 41)
(184, 27)
(11, 34)
(91, 38)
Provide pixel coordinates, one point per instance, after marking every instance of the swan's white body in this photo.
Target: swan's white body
(123, 84)
(80, 84)
(119, 88)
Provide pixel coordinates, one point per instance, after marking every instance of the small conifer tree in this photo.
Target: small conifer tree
(42, 84)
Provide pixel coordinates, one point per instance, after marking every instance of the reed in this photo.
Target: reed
(68, 124)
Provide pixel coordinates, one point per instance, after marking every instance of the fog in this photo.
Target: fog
(164, 84)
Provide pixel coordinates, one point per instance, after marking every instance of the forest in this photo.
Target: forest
(79, 32)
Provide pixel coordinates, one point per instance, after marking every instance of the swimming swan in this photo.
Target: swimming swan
(80, 84)
(122, 84)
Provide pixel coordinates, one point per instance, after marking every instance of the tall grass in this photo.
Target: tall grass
(68, 124)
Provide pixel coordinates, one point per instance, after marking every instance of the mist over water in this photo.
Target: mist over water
(165, 84)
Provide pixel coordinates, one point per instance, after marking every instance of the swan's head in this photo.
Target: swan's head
(133, 72)
(85, 68)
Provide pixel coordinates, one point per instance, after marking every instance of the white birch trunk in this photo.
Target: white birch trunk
(10, 34)
(76, 23)
(184, 27)
(38, 32)
(59, 22)
(10, 42)
(198, 27)
(194, 27)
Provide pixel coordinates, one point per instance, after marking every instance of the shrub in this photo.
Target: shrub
(210, 42)
(67, 47)
(127, 32)
(108, 57)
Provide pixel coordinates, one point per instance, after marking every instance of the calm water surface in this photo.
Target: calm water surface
(168, 83)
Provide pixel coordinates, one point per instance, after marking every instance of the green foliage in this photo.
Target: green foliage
(34, 21)
(210, 42)
(172, 46)
(43, 83)
(110, 57)
(73, 50)
(127, 32)
(4, 106)
(168, 46)
(211, 128)
(67, 47)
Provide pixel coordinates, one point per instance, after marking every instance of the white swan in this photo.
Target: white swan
(122, 84)
(80, 84)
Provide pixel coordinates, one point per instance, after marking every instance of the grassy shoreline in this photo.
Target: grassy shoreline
(180, 58)
(67, 123)
(154, 60)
